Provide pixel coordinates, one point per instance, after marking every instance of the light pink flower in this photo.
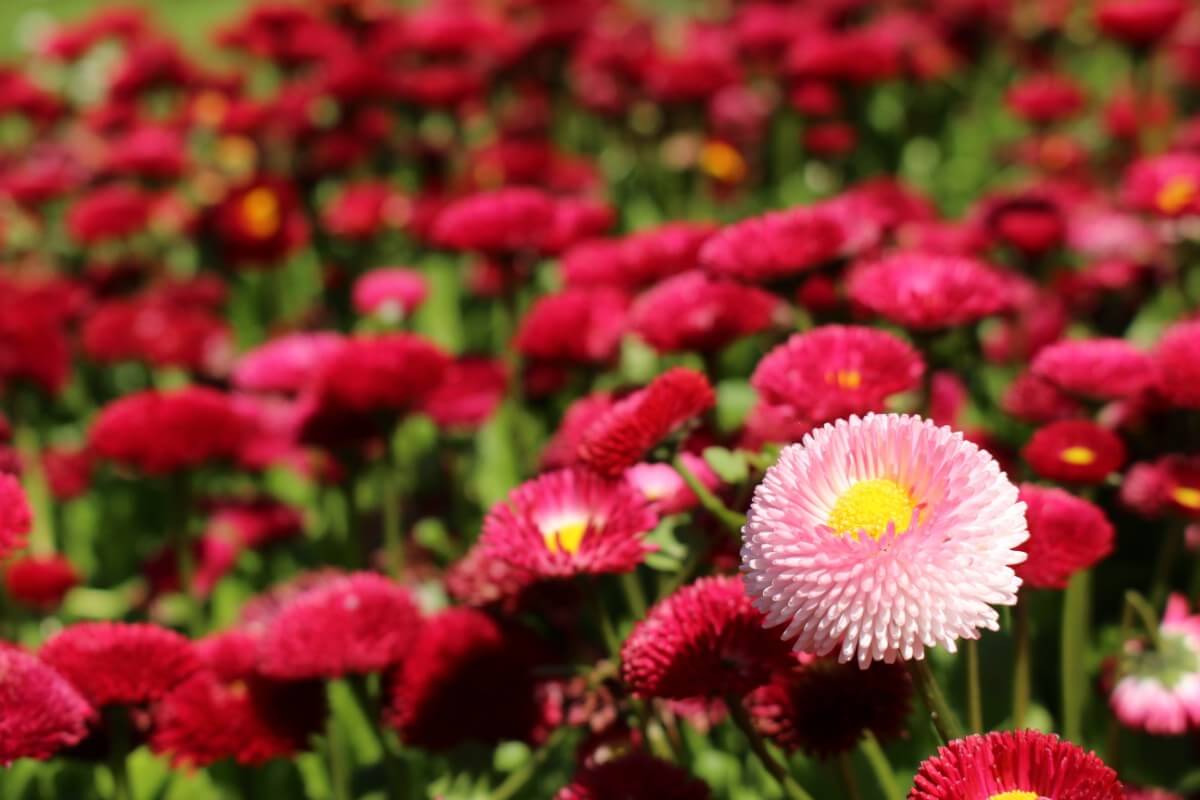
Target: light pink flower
(881, 536)
(286, 364)
(390, 292)
(1160, 691)
(665, 489)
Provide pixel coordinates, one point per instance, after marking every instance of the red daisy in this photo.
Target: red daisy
(1170, 484)
(479, 580)
(639, 259)
(563, 448)
(120, 663)
(40, 581)
(228, 710)
(390, 293)
(258, 224)
(1067, 534)
(1176, 367)
(286, 364)
(468, 395)
(351, 624)
(926, 291)
(835, 371)
(570, 522)
(1102, 369)
(40, 712)
(1033, 399)
(693, 312)
(368, 374)
(1140, 23)
(621, 437)
(109, 212)
(162, 432)
(824, 708)
(16, 518)
(467, 679)
(1166, 185)
(706, 639)
(68, 471)
(574, 326)
(1074, 450)
(779, 244)
(1045, 98)
(516, 220)
(1017, 765)
(635, 776)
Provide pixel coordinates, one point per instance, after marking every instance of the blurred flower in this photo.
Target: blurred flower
(1167, 185)
(693, 312)
(1158, 686)
(120, 663)
(68, 471)
(1139, 23)
(386, 373)
(40, 582)
(390, 293)
(638, 259)
(469, 393)
(665, 489)
(109, 212)
(40, 712)
(1176, 366)
(570, 522)
(574, 326)
(347, 625)
(259, 223)
(287, 363)
(704, 640)
(926, 291)
(1067, 534)
(776, 245)
(634, 776)
(16, 517)
(362, 210)
(1075, 451)
(835, 371)
(1169, 484)
(913, 501)
(1014, 764)
(517, 220)
(1045, 98)
(1101, 368)
(563, 448)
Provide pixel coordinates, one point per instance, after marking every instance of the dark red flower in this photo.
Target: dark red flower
(776, 245)
(621, 437)
(162, 432)
(16, 517)
(40, 712)
(563, 448)
(468, 394)
(466, 679)
(477, 579)
(1074, 450)
(40, 581)
(255, 523)
(109, 212)
(1140, 23)
(362, 210)
(68, 471)
(162, 334)
(120, 663)
(1033, 399)
(706, 639)
(148, 151)
(574, 326)
(517, 220)
(691, 311)
(635, 776)
(824, 708)
(351, 624)
(1067, 534)
(258, 224)
(1176, 364)
(1170, 484)
(1014, 763)
(830, 139)
(1045, 98)
(372, 374)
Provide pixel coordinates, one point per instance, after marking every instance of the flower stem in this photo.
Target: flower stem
(944, 720)
(336, 763)
(974, 692)
(1075, 623)
(181, 541)
(1168, 549)
(520, 777)
(1145, 612)
(790, 788)
(118, 752)
(731, 519)
(370, 705)
(884, 774)
(634, 595)
(846, 773)
(1022, 677)
(393, 537)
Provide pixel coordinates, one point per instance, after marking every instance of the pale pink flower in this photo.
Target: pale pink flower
(881, 536)
(286, 364)
(391, 293)
(1159, 691)
(665, 489)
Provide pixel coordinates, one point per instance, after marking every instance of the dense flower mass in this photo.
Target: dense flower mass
(15, 514)
(854, 536)
(926, 291)
(41, 712)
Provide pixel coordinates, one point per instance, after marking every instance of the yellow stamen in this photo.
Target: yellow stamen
(844, 378)
(1186, 496)
(566, 538)
(1015, 795)
(1176, 194)
(1078, 455)
(723, 162)
(260, 212)
(870, 506)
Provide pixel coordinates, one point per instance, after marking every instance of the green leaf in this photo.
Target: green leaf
(730, 465)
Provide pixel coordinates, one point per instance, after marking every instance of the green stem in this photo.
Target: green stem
(885, 776)
(353, 554)
(522, 775)
(1022, 676)
(974, 692)
(737, 712)
(1113, 740)
(1145, 612)
(336, 762)
(944, 720)
(612, 642)
(393, 537)
(118, 752)
(731, 519)
(846, 773)
(634, 595)
(1167, 552)
(185, 559)
(1075, 624)
(370, 704)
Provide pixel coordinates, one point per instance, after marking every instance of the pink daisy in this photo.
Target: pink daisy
(1158, 690)
(1066, 534)
(779, 244)
(691, 311)
(663, 487)
(16, 517)
(286, 364)
(1167, 185)
(639, 259)
(570, 522)
(391, 293)
(1176, 368)
(835, 371)
(858, 537)
(927, 291)
(40, 712)
(1102, 369)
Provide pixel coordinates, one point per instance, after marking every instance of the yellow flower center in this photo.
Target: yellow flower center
(1015, 795)
(565, 538)
(1186, 496)
(1176, 194)
(870, 506)
(844, 378)
(723, 162)
(1078, 455)
(260, 212)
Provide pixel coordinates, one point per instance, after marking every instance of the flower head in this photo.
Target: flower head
(776, 245)
(40, 712)
(691, 311)
(926, 291)
(1074, 450)
(706, 639)
(1067, 534)
(391, 293)
(835, 371)
(575, 326)
(1166, 185)
(1158, 689)
(16, 517)
(40, 581)
(1104, 369)
(635, 776)
(570, 522)
(346, 625)
(1176, 367)
(1014, 765)
(639, 259)
(857, 536)
(286, 364)
(120, 663)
